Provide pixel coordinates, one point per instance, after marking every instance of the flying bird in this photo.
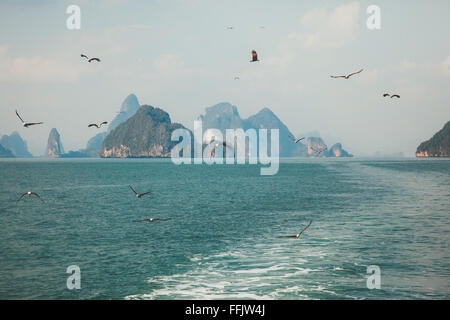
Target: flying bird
(296, 236)
(221, 143)
(392, 96)
(230, 27)
(254, 56)
(139, 195)
(90, 59)
(27, 124)
(237, 78)
(349, 75)
(29, 193)
(98, 126)
(151, 220)
(294, 139)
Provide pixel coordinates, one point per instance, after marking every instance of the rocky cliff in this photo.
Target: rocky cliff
(16, 145)
(5, 153)
(438, 145)
(146, 134)
(54, 145)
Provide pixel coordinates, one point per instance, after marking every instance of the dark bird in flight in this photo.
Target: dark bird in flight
(254, 56)
(98, 126)
(348, 76)
(90, 59)
(139, 195)
(151, 220)
(237, 78)
(29, 193)
(294, 139)
(393, 96)
(318, 151)
(27, 124)
(230, 27)
(296, 236)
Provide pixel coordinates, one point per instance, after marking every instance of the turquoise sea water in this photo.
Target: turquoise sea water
(222, 241)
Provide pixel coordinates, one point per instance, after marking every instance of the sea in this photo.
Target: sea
(380, 229)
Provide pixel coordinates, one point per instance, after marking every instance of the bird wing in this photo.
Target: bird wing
(93, 125)
(292, 236)
(84, 56)
(386, 95)
(143, 220)
(144, 193)
(299, 140)
(20, 117)
(34, 193)
(21, 196)
(305, 228)
(159, 219)
(395, 95)
(291, 137)
(133, 190)
(337, 76)
(94, 59)
(351, 74)
(33, 123)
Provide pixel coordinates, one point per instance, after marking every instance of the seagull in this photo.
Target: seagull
(298, 234)
(90, 59)
(349, 75)
(294, 139)
(97, 125)
(151, 220)
(393, 96)
(27, 124)
(221, 143)
(318, 151)
(29, 193)
(139, 195)
(254, 56)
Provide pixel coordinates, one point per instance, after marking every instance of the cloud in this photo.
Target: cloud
(35, 69)
(331, 30)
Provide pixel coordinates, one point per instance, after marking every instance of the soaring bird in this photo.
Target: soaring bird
(294, 139)
(27, 124)
(318, 151)
(151, 220)
(90, 59)
(254, 56)
(29, 193)
(218, 143)
(296, 236)
(98, 126)
(392, 96)
(139, 195)
(347, 76)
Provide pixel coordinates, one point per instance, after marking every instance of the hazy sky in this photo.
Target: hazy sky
(179, 55)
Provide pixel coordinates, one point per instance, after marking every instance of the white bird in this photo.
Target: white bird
(98, 126)
(27, 124)
(29, 193)
(349, 75)
(139, 195)
(296, 236)
(90, 59)
(151, 220)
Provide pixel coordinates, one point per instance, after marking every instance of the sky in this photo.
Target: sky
(180, 56)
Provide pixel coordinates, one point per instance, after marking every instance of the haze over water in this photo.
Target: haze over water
(222, 240)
